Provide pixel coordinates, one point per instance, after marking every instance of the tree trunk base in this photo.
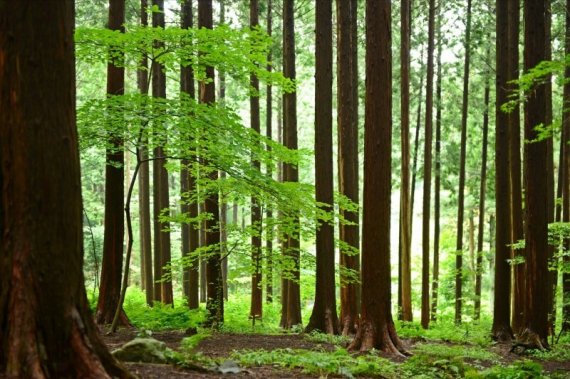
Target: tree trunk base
(529, 340)
(385, 339)
(502, 334)
(349, 326)
(106, 318)
(328, 323)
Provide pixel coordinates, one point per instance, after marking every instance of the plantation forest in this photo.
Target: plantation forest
(285, 189)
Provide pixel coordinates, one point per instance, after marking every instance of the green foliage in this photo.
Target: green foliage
(558, 352)
(518, 370)
(446, 330)
(322, 363)
(425, 367)
(456, 351)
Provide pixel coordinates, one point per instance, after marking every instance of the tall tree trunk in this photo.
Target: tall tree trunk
(462, 164)
(437, 174)
(293, 308)
(202, 236)
(427, 170)
(501, 330)
(517, 232)
(112, 266)
(535, 330)
(144, 182)
(161, 187)
(46, 327)
(347, 133)
(482, 195)
(269, 229)
(324, 317)
(377, 328)
(190, 234)
(256, 212)
(565, 163)
(405, 215)
(214, 290)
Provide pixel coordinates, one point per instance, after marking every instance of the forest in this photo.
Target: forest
(285, 189)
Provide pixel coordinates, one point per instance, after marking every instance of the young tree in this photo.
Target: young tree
(566, 175)
(405, 213)
(256, 214)
(501, 330)
(214, 284)
(144, 184)
(461, 196)
(291, 311)
(535, 330)
(324, 317)
(163, 290)
(347, 132)
(377, 328)
(427, 169)
(113, 239)
(190, 237)
(46, 327)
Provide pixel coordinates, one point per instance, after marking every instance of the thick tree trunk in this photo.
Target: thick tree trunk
(46, 328)
(293, 309)
(535, 330)
(462, 164)
(501, 330)
(214, 283)
(324, 317)
(427, 170)
(256, 213)
(377, 327)
(405, 215)
(347, 133)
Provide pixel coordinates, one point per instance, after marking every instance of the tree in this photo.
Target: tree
(461, 196)
(190, 237)
(535, 330)
(162, 289)
(377, 328)
(405, 212)
(501, 330)
(144, 184)
(347, 124)
(427, 169)
(256, 213)
(566, 175)
(214, 290)
(291, 310)
(324, 317)
(46, 328)
(110, 288)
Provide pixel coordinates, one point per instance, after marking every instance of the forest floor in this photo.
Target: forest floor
(309, 356)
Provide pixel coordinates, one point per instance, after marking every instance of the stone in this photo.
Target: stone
(147, 350)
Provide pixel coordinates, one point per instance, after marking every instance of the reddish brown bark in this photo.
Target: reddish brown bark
(377, 327)
(535, 331)
(347, 159)
(501, 329)
(324, 317)
(113, 239)
(566, 179)
(214, 283)
(46, 328)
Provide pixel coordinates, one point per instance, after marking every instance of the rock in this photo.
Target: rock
(147, 350)
(229, 367)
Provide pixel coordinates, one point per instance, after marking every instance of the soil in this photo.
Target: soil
(220, 346)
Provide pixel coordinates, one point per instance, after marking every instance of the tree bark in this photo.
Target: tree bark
(535, 330)
(501, 329)
(347, 133)
(269, 229)
(46, 328)
(324, 317)
(462, 164)
(405, 215)
(293, 309)
(113, 239)
(161, 189)
(427, 170)
(214, 283)
(377, 328)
